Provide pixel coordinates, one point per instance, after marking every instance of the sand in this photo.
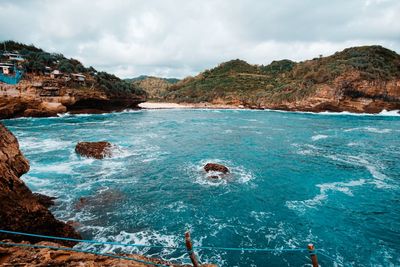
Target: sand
(165, 105)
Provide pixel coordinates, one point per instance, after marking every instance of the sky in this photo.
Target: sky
(177, 38)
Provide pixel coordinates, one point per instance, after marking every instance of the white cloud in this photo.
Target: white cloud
(179, 38)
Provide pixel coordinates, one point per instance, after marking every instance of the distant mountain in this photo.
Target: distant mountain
(144, 77)
(154, 86)
(357, 79)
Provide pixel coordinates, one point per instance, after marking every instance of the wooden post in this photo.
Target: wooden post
(189, 248)
(313, 256)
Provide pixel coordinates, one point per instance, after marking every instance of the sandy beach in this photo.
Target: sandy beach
(166, 105)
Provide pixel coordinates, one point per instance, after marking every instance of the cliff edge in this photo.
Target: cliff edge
(20, 209)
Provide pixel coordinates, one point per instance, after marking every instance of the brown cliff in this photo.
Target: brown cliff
(19, 208)
(357, 79)
(32, 98)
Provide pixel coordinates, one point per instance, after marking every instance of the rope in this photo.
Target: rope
(151, 246)
(84, 251)
(85, 240)
(253, 249)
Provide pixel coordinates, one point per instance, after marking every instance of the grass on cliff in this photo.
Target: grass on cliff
(284, 80)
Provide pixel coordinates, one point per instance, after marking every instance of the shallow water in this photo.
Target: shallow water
(333, 180)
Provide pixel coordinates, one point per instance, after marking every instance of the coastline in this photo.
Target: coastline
(187, 106)
(171, 105)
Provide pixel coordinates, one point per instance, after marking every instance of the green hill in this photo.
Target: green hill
(285, 81)
(38, 61)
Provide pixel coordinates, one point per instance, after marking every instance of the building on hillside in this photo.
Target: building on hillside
(9, 73)
(47, 70)
(78, 77)
(13, 56)
(6, 68)
(56, 74)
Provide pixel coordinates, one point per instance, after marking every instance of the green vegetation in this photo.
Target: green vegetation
(144, 77)
(36, 61)
(113, 85)
(284, 80)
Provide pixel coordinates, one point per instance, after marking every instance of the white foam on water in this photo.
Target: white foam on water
(177, 206)
(237, 174)
(343, 187)
(145, 237)
(319, 137)
(282, 234)
(35, 181)
(343, 113)
(60, 168)
(354, 144)
(36, 145)
(380, 180)
(369, 129)
(260, 216)
(62, 115)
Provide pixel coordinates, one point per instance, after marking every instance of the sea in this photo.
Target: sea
(330, 179)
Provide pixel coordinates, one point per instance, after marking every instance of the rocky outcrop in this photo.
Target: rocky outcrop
(45, 200)
(20, 209)
(39, 257)
(97, 150)
(28, 100)
(216, 168)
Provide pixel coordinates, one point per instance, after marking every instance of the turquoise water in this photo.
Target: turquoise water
(333, 180)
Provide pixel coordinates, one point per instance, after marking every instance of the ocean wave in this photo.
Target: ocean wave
(369, 129)
(319, 137)
(36, 145)
(59, 168)
(390, 113)
(260, 216)
(343, 187)
(145, 237)
(374, 167)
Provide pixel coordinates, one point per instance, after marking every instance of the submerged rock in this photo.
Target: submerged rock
(97, 150)
(45, 200)
(20, 209)
(215, 167)
(102, 200)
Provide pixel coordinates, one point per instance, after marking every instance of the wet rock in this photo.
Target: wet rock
(215, 167)
(44, 200)
(20, 209)
(35, 257)
(97, 150)
(100, 201)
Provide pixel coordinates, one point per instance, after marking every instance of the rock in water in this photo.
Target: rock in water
(20, 210)
(97, 150)
(216, 168)
(45, 200)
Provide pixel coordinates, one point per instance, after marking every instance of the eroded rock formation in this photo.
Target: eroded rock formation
(39, 257)
(97, 150)
(20, 209)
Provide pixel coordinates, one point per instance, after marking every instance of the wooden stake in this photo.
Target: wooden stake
(189, 248)
(313, 256)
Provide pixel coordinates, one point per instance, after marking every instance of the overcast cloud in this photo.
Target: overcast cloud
(180, 38)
